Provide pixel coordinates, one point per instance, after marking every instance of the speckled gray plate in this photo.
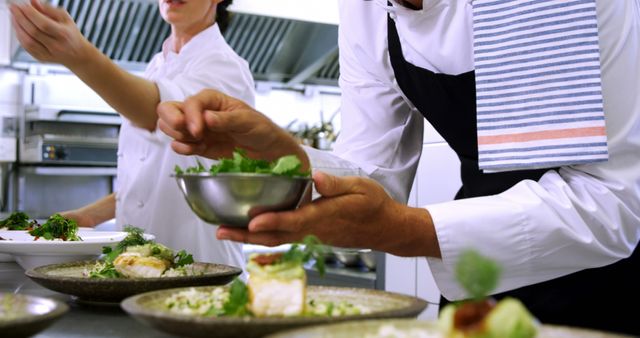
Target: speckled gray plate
(68, 278)
(28, 314)
(149, 309)
(415, 328)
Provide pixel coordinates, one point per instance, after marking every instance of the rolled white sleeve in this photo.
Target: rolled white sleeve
(576, 218)
(381, 135)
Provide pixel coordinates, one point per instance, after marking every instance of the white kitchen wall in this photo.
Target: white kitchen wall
(323, 11)
(306, 105)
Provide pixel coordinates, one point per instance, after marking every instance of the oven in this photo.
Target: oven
(67, 147)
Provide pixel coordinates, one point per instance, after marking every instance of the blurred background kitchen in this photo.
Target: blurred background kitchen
(58, 140)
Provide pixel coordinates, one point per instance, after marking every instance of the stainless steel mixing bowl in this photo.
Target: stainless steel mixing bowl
(233, 199)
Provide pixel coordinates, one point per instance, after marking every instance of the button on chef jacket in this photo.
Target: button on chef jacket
(146, 195)
(575, 218)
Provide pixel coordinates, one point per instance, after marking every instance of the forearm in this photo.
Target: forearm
(132, 96)
(99, 211)
(412, 233)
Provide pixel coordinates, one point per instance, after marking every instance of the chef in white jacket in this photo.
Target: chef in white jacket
(194, 57)
(565, 237)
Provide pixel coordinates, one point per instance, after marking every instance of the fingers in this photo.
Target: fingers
(37, 25)
(331, 186)
(171, 120)
(55, 13)
(194, 107)
(23, 27)
(266, 239)
(286, 221)
(44, 25)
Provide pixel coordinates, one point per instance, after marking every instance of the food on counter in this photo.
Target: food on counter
(137, 257)
(284, 166)
(18, 220)
(480, 316)
(276, 288)
(56, 227)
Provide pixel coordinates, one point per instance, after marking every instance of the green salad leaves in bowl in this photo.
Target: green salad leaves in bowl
(237, 189)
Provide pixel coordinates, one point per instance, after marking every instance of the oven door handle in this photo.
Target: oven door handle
(70, 171)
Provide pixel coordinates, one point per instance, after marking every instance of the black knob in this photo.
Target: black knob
(60, 153)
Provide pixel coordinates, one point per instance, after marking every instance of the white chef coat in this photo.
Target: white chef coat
(579, 217)
(146, 195)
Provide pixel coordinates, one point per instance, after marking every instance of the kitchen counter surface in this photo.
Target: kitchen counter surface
(82, 320)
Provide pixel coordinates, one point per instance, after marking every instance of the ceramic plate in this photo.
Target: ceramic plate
(30, 253)
(149, 308)
(68, 278)
(415, 328)
(20, 242)
(24, 316)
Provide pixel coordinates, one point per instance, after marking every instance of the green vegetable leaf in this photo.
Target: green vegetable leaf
(477, 274)
(134, 237)
(178, 170)
(182, 258)
(288, 165)
(18, 220)
(236, 305)
(56, 227)
(313, 249)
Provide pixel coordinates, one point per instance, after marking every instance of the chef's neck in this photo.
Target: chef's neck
(413, 4)
(180, 36)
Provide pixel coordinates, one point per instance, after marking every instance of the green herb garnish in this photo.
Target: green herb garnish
(288, 165)
(477, 274)
(18, 220)
(135, 236)
(313, 249)
(182, 258)
(57, 227)
(236, 305)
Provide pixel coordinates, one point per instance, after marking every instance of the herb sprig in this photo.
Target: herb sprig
(313, 250)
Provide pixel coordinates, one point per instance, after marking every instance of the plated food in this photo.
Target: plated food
(23, 316)
(239, 188)
(152, 309)
(139, 257)
(134, 265)
(408, 328)
(276, 297)
(480, 316)
(55, 227)
(30, 253)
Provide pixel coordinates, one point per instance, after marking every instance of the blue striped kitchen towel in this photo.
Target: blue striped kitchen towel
(539, 97)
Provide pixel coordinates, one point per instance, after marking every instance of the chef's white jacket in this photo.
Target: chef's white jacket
(583, 216)
(146, 195)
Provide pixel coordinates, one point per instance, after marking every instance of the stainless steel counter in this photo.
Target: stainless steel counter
(82, 320)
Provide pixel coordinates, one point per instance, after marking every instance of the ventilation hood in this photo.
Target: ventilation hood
(283, 40)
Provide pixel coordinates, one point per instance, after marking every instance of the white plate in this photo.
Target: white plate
(30, 253)
(20, 242)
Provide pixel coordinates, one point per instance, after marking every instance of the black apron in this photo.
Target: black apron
(593, 298)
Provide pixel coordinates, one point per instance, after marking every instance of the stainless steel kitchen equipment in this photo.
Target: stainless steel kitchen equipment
(67, 146)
